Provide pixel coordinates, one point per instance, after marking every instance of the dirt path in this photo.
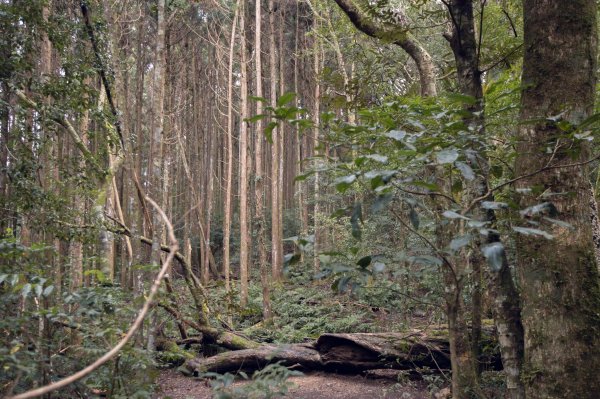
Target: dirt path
(173, 385)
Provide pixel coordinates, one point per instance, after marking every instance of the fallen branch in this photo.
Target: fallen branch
(225, 338)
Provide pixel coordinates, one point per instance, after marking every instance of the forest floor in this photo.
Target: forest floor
(174, 385)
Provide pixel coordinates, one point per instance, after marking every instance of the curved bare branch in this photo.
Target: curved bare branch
(397, 33)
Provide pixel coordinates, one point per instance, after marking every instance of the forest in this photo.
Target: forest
(299, 198)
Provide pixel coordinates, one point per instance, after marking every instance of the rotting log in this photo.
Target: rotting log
(346, 353)
(254, 359)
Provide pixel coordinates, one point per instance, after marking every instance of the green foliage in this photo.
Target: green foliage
(270, 382)
(39, 326)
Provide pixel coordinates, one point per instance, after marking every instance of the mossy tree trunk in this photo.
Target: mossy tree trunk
(559, 278)
(507, 315)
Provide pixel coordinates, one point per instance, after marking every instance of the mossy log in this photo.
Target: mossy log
(345, 353)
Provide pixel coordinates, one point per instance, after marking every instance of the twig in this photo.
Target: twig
(174, 246)
(525, 176)
(102, 71)
(429, 243)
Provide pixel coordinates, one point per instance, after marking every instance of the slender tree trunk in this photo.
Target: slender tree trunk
(278, 240)
(316, 132)
(230, 156)
(259, 182)
(559, 278)
(506, 298)
(244, 164)
(4, 146)
(464, 346)
(156, 157)
(276, 248)
(300, 187)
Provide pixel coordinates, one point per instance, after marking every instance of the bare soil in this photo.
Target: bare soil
(319, 385)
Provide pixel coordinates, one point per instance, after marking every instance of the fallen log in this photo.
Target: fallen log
(255, 359)
(345, 353)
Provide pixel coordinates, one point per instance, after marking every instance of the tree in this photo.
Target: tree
(559, 279)
(276, 164)
(244, 163)
(366, 19)
(259, 180)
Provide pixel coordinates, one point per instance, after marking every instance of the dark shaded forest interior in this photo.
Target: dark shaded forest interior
(299, 198)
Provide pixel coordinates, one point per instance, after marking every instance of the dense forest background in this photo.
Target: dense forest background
(182, 177)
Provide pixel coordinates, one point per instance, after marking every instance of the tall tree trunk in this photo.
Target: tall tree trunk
(156, 156)
(276, 248)
(316, 132)
(157, 129)
(465, 378)
(230, 157)
(259, 182)
(507, 313)
(278, 240)
(4, 146)
(244, 164)
(559, 279)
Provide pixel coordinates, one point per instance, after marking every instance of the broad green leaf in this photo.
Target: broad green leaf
(255, 118)
(261, 99)
(286, 98)
(343, 183)
(397, 135)
(48, 290)
(465, 170)
(381, 202)
(454, 215)
(293, 239)
(378, 267)
(494, 254)
(476, 224)
(414, 218)
(269, 131)
(304, 176)
(355, 220)
(560, 223)
(545, 208)
(429, 186)
(426, 260)
(324, 259)
(535, 232)
(460, 242)
(26, 290)
(494, 205)
(377, 158)
(341, 284)
(589, 121)
(291, 259)
(462, 98)
(447, 156)
(364, 262)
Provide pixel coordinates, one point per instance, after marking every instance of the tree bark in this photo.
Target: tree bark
(316, 132)
(559, 279)
(506, 299)
(244, 164)
(259, 180)
(343, 353)
(360, 14)
(230, 157)
(276, 248)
